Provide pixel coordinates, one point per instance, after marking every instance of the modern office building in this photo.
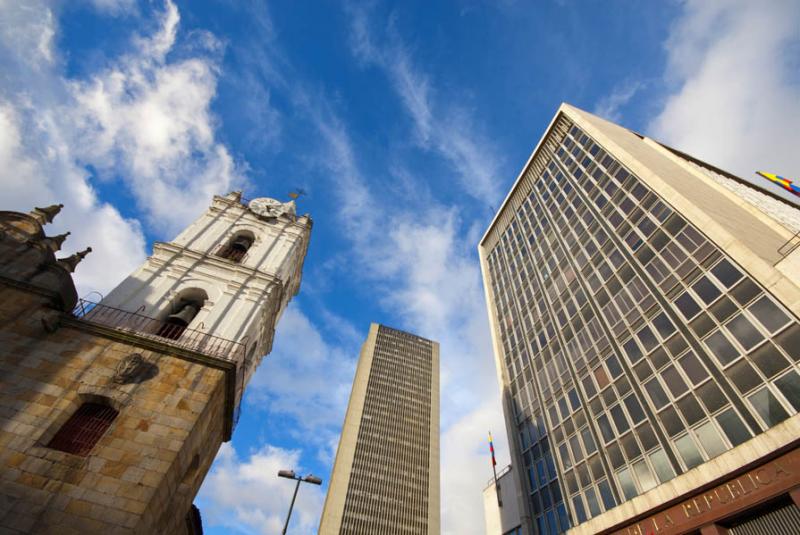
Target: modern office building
(644, 312)
(111, 413)
(501, 506)
(385, 478)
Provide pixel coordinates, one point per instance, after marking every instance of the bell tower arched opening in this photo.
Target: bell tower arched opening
(184, 309)
(236, 249)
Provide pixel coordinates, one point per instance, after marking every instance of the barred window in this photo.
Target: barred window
(83, 429)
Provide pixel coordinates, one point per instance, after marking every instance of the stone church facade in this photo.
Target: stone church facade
(111, 413)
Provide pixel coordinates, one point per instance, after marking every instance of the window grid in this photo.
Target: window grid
(536, 295)
(389, 482)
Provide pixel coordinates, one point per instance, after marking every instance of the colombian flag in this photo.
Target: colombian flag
(491, 449)
(783, 182)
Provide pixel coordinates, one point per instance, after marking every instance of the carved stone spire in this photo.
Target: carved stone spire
(45, 215)
(236, 195)
(54, 242)
(71, 262)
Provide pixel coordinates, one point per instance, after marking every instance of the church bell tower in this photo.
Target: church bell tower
(112, 412)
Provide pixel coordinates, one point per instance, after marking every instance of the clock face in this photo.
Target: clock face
(266, 207)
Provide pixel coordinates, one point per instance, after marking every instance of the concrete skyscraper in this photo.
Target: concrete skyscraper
(385, 478)
(112, 413)
(644, 312)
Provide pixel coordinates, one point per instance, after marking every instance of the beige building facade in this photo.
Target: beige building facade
(644, 311)
(385, 478)
(113, 412)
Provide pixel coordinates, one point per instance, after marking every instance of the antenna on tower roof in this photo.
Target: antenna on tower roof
(297, 192)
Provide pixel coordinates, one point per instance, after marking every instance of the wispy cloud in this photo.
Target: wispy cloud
(735, 94)
(441, 125)
(114, 7)
(610, 107)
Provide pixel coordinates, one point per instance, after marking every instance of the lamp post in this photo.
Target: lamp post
(289, 474)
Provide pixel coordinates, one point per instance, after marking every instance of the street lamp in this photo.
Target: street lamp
(289, 474)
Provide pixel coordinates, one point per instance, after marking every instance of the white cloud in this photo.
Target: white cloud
(736, 101)
(149, 120)
(156, 46)
(466, 468)
(144, 118)
(247, 496)
(412, 87)
(37, 169)
(27, 31)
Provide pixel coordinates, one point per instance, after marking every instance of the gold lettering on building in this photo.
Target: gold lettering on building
(780, 471)
(734, 489)
(761, 478)
(690, 509)
(724, 494)
(639, 529)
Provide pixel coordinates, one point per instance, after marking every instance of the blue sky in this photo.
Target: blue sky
(406, 124)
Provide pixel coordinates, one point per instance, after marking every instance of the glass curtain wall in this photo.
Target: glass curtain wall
(635, 349)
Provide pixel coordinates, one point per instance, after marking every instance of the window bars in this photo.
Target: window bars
(83, 429)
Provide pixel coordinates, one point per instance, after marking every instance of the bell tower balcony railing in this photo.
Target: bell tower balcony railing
(161, 331)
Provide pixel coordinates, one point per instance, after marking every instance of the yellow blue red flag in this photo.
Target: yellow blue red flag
(785, 183)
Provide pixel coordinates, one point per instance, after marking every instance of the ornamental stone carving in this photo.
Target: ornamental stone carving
(134, 369)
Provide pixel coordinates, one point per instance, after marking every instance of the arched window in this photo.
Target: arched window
(185, 308)
(84, 428)
(237, 247)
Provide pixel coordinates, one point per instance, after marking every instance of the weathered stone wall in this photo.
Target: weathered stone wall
(143, 474)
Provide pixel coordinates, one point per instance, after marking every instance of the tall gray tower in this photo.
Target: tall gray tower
(386, 475)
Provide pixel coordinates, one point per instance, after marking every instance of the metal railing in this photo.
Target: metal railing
(790, 246)
(133, 322)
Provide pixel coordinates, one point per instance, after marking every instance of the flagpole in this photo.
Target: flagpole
(494, 471)
(496, 486)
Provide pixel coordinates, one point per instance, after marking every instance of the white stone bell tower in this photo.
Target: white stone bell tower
(228, 276)
(112, 412)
